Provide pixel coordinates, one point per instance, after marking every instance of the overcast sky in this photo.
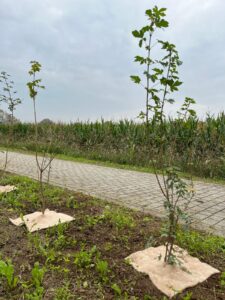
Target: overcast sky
(87, 50)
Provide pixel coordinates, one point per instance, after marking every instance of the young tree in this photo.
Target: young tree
(43, 162)
(9, 97)
(161, 76)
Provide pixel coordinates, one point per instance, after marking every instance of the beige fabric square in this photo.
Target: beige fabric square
(7, 188)
(37, 220)
(169, 279)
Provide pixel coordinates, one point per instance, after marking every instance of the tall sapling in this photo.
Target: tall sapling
(161, 76)
(44, 162)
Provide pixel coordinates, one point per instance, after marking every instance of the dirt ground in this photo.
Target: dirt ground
(108, 232)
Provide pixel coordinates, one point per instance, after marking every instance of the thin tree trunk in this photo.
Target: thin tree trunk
(148, 81)
(165, 90)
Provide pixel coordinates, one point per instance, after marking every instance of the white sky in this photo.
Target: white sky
(87, 50)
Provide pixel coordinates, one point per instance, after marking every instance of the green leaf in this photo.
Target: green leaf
(190, 100)
(144, 30)
(171, 101)
(158, 71)
(162, 23)
(139, 59)
(162, 11)
(192, 112)
(116, 289)
(136, 34)
(142, 115)
(135, 79)
(177, 83)
(149, 13)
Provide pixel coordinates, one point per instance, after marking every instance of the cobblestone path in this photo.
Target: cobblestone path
(128, 188)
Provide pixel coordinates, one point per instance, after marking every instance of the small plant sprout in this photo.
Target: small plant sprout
(63, 292)
(44, 163)
(116, 289)
(102, 268)
(37, 277)
(222, 280)
(84, 258)
(7, 273)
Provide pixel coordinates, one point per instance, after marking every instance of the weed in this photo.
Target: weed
(36, 295)
(200, 244)
(7, 273)
(222, 280)
(67, 258)
(102, 268)
(151, 242)
(120, 220)
(59, 238)
(84, 258)
(108, 246)
(91, 221)
(42, 246)
(37, 277)
(63, 292)
(147, 219)
(91, 258)
(37, 274)
(72, 203)
(116, 289)
(53, 193)
(188, 296)
(50, 244)
(12, 200)
(147, 297)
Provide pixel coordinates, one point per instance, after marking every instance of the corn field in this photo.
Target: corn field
(198, 146)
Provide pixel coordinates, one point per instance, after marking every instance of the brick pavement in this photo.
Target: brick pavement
(132, 189)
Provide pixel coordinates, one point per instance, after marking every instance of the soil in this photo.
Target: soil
(112, 242)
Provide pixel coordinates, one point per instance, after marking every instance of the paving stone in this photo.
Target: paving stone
(136, 190)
